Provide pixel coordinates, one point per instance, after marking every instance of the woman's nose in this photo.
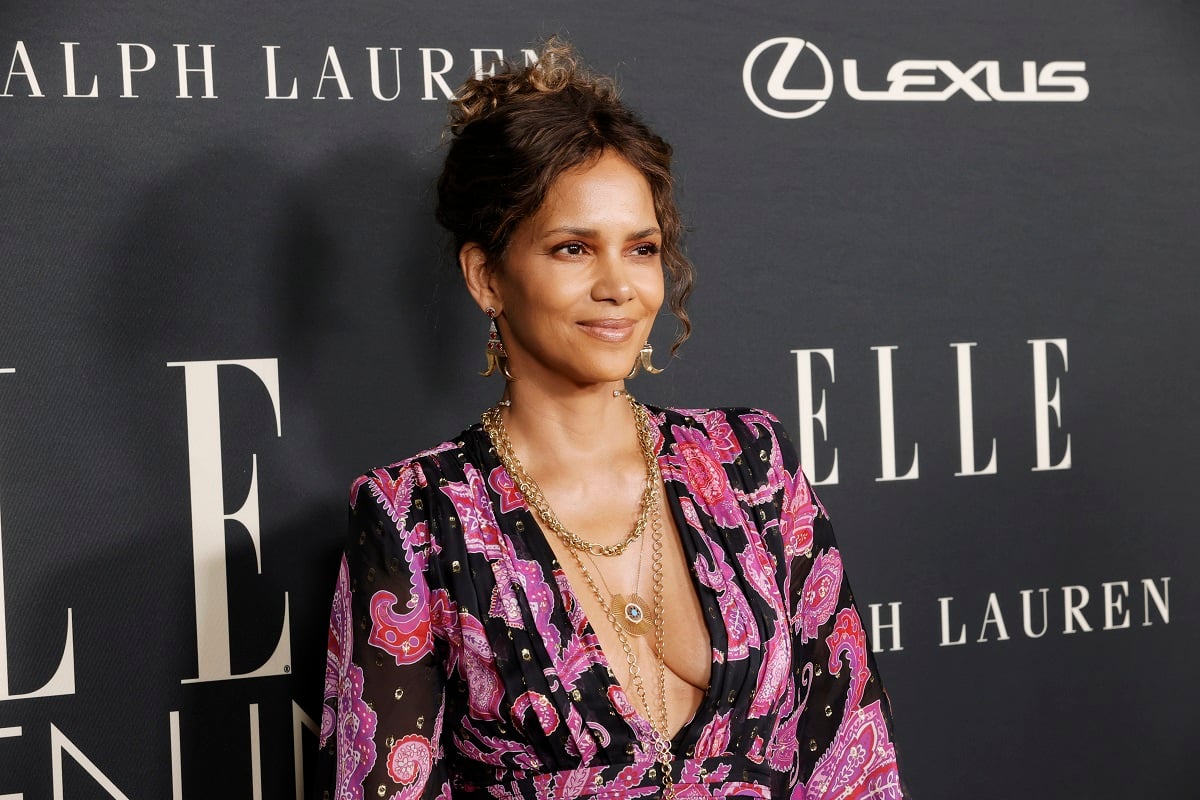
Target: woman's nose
(613, 281)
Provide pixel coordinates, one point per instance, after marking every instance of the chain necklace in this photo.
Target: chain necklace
(661, 726)
(630, 609)
(493, 424)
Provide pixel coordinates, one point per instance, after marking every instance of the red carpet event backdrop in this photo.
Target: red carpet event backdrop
(952, 246)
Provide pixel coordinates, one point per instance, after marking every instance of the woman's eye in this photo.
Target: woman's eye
(646, 249)
(571, 248)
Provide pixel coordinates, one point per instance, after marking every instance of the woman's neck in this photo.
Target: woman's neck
(553, 427)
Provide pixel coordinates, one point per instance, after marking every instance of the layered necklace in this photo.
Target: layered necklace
(626, 613)
(629, 609)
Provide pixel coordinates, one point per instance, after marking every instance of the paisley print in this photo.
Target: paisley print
(620, 702)
(714, 737)
(406, 637)
(861, 764)
(474, 742)
(409, 762)
(355, 729)
(718, 431)
(460, 663)
(819, 597)
(581, 743)
(772, 674)
(848, 638)
(338, 652)
(543, 711)
(475, 518)
(503, 485)
(796, 516)
(579, 655)
(393, 491)
(700, 463)
(735, 609)
(345, 716)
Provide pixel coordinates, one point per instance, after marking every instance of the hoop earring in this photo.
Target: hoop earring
(643, 361)
(497, 356)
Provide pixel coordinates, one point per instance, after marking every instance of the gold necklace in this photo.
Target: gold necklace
(493, 424)
(661, 726)
(629, 609)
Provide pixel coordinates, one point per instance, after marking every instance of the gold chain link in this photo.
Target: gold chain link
(493, 423)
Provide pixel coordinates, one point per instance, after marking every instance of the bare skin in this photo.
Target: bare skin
(577, 293)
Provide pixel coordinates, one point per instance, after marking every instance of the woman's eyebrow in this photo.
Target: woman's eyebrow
(572, 231)
(592, 232)
(642, 234)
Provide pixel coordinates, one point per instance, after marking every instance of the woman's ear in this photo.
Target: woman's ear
(479, 276)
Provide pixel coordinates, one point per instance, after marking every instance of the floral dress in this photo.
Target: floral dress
(461, 664)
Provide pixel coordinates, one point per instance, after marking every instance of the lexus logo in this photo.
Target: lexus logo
(789, 103)
(911, 79)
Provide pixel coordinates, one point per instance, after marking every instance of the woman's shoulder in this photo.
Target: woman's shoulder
(751, 442)
(442, 463)
(744, 422)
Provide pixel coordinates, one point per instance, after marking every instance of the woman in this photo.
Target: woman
(583, 596)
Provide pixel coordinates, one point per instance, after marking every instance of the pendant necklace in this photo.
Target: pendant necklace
(634, 605)
(628, 609)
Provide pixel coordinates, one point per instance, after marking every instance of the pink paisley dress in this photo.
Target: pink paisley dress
(460, 662)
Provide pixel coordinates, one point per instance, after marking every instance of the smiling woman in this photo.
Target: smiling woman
(582, 596)
(580, 282)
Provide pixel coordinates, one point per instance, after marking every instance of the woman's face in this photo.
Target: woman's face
(582, 280)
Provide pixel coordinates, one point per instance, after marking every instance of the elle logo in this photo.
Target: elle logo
(208, 519)
(63, 680)
(1047, 413)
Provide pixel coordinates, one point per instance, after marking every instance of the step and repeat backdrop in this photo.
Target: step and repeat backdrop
(953, 247)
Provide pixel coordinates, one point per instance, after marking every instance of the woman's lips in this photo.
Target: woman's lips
(609, 330)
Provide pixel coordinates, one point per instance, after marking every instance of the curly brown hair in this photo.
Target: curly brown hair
(514, 132)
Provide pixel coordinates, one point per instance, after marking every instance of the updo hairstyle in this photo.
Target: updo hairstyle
(513, 133)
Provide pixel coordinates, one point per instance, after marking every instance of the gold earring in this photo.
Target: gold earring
(497, 356)
(643, 361)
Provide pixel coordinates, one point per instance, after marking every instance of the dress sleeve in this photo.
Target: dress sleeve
(382, 719)
(844, 733)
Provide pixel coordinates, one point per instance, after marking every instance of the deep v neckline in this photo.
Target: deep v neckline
(566, 596)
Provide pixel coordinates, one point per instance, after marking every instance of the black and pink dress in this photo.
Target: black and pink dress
(461, 663)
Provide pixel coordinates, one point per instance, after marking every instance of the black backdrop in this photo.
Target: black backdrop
(209, 298)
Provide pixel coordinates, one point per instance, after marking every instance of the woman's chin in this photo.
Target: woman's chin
(607, 372)
(605, 378)
(608, 380)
